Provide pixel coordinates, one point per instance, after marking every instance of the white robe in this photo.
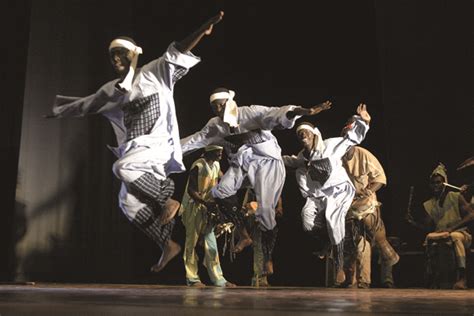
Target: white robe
(158, 152)
(335, 195)
(259, 164)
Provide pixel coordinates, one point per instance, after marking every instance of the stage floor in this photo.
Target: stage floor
(114, 299)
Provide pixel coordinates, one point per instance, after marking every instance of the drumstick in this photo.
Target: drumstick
(452, 186)
(410, 200)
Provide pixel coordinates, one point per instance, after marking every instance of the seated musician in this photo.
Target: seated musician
(447, 214)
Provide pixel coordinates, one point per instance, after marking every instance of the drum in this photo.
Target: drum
(440, 260)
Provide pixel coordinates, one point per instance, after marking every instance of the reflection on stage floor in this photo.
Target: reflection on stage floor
(115, 299)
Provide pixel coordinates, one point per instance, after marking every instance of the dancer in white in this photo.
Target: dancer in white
(140, 107)
(323, 181)
(253, 151)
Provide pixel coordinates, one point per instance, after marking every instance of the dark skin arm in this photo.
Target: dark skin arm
(279, 208)
(193, 39)
(309, 111)
(427, 224)
(193, 186)
(371, 188)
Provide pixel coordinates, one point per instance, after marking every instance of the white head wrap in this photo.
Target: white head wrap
(320, 143)
(231, 112)
(126, 84)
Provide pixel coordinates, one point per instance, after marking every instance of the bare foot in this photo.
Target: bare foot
(197, 285)
(242, 244)
(228, 284)
(171, 207)
(340, 276)
(170, 251)
(460, 285)
(269, 267)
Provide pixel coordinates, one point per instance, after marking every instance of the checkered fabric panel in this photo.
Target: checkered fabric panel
(179, 72)
(269, 238)
(149, 223)
(140, 115)
(150, 190)
(320, 170)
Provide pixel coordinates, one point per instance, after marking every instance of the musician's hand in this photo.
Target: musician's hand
(210, 205)
(464, 188)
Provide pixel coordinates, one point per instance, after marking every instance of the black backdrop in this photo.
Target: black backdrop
(410, 61)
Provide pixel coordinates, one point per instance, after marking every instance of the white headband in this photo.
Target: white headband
(305, 126)
(119, 42)
(126, 84)
(222, 95)
(320, 146)
(231, 112)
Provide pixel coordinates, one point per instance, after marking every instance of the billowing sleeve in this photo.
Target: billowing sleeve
(172, 66)
(208, 135)
(105, 99)
(269, 118)
(354, 136)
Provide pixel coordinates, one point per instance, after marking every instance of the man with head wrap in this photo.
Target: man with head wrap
(253, 151)
(140, 107)
(447, 215)
(323, 181)
(203, 176)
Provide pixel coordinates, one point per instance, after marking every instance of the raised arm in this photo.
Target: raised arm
(283, 117)
(208, 135)
(193, 39)
(301, 111)
(353, 133)
(105, 99)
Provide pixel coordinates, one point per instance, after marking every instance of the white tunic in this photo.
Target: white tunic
(335, 195)
(259, 164)
(157, 152)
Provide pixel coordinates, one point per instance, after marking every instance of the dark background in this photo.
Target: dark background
(409, 61)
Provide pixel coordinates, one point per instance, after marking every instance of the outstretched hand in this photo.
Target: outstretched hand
(314, 109)
(362, 111)
(320, 107)
(466, 163)
(210, 23)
